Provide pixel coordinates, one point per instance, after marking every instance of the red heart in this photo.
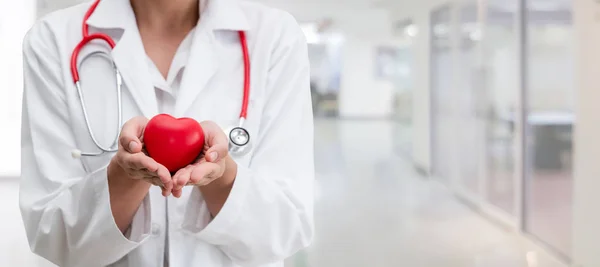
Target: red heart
(172, 142)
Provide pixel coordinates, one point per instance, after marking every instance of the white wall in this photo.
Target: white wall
(586, 216)
(362, 93)
(15, 19)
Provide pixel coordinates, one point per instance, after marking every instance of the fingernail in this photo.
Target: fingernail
(132, 146)
(214, 156)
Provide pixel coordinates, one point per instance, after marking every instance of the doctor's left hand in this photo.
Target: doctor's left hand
(134, 163)
(211, 166)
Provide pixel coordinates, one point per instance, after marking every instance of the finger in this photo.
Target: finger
(177, 193)
(216, 141)
(182, 177)
(216, 152)
(166, 180)
(204, 173)
(139, 161)
(148, 173)
(153, 180)
(157, 182)
(131, 133)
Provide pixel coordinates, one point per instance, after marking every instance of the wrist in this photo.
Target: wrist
(120, 182)
(217, 192)
(230, 172)
(126, 195)
(114, 170)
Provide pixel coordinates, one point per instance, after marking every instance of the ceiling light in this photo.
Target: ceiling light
(411, 30)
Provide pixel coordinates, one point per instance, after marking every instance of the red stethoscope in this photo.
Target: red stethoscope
(239, 137)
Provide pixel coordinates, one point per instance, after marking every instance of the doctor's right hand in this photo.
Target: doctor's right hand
(135, 165)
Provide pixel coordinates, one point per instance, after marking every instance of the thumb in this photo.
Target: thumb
(131, 133)
(216, 140)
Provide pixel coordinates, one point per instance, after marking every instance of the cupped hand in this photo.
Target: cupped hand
(135, 163)
(210, 166)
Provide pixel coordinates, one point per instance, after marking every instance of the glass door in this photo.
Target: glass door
(488, 89)
(501, 57)
(550, 118)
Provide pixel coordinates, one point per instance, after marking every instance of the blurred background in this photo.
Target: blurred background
(445, 131)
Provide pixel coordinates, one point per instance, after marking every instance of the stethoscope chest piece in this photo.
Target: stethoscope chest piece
(239, 141)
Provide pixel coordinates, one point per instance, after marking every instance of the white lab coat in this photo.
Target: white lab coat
(65, 202)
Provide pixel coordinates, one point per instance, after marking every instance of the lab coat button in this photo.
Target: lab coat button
(155, 229)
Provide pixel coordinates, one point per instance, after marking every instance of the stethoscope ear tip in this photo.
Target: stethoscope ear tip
(76, 153)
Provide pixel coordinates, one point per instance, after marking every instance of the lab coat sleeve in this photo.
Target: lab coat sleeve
(66, 211)
(269, 213)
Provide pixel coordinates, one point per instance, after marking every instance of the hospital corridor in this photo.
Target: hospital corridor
(372, 209)
(446, 133)
(358, 224)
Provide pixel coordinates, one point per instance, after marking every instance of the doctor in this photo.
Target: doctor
(182, 58)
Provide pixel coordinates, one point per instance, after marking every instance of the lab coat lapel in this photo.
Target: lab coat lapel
(200, 69)
(129, 54)
(130, 58)
(203, 64)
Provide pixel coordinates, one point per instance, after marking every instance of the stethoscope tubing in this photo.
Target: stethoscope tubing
(246, 55)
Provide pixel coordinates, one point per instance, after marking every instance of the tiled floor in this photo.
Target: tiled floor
(372, 210)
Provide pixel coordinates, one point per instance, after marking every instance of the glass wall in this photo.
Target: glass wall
(477, 84)
(550, 95)
(469, 95)
(441, 92)
(500, 53)
(487, 91)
